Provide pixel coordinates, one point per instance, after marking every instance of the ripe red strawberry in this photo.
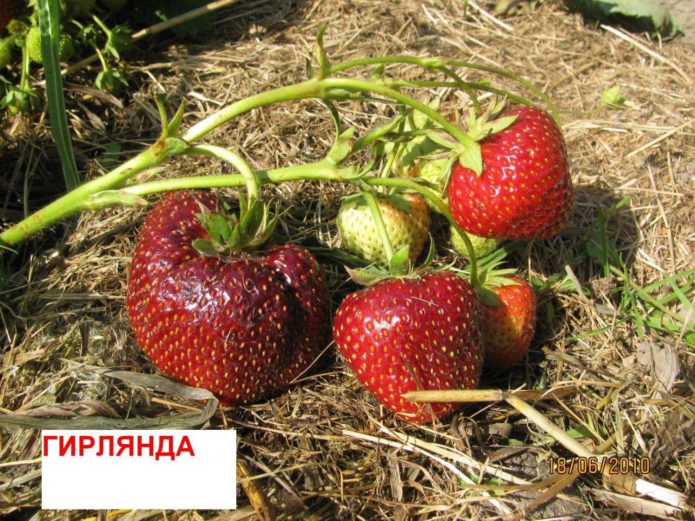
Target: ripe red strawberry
(242, 326)
(408, 334)
(524, 191)
(509, 327)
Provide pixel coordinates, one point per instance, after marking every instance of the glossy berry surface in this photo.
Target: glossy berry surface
(509, 328)
(411, 334)
(242, 326)
(524, 191)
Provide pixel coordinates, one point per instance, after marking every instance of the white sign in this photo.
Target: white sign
(138, 469)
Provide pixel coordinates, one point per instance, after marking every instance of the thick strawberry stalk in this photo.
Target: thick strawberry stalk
(80, 198)
(319, 171)
(103, 191)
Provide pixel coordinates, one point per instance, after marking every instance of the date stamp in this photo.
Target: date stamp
(615, 465)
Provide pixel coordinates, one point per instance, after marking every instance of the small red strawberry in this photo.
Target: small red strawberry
(242, 325)
(409, 334)
(524, 191)
(509, 327)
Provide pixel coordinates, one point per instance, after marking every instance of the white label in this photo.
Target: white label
(138, 469)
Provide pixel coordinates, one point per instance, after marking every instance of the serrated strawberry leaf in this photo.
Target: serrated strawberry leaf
(643, 14)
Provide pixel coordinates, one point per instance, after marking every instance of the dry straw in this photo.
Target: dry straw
(325, 449)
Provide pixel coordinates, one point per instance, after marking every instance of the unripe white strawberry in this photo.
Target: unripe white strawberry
(406, 219)
(481, 245)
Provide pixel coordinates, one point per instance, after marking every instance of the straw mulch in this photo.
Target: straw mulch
(326, 449)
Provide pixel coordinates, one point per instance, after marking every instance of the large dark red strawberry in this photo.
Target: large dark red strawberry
(412, 334)
(241, 325)
(524, 191)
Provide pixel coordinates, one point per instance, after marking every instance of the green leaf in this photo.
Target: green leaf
(120, 39)
(175, 123)
(487, 296)
(472, 158)
(499, 124)
(399, 264)
(579, 432)
(431, 252)
(322, 59)
(49, 23)
(367, 276)
(252, 219)
(613, 99)
(111, 80)
(399, 202)
(205, 247)
(640, 14)
(218, 227)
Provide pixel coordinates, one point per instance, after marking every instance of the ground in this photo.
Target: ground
(684, 11)
(615, 287)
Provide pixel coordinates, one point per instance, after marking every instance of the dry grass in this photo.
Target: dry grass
(326, 449)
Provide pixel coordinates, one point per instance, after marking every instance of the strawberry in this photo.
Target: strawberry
(482, 246)
(8, 10)
(509, 327)
(406, 218)
(242, 325)
(524, 191)
(406, 334)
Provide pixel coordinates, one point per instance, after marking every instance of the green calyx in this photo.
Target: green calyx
(399, 267)
(230, 233)
(491, 275)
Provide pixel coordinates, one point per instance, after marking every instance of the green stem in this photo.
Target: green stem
(236, 161)
(380, 226)
(77, 199)
(24, 83)
(378, 88)
(461, 85)
(470, 92)
(307, 89)
(437, 63)
(438, 205)
(319, 171)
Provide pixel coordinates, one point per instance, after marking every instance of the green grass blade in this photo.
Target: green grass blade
(49, 23)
